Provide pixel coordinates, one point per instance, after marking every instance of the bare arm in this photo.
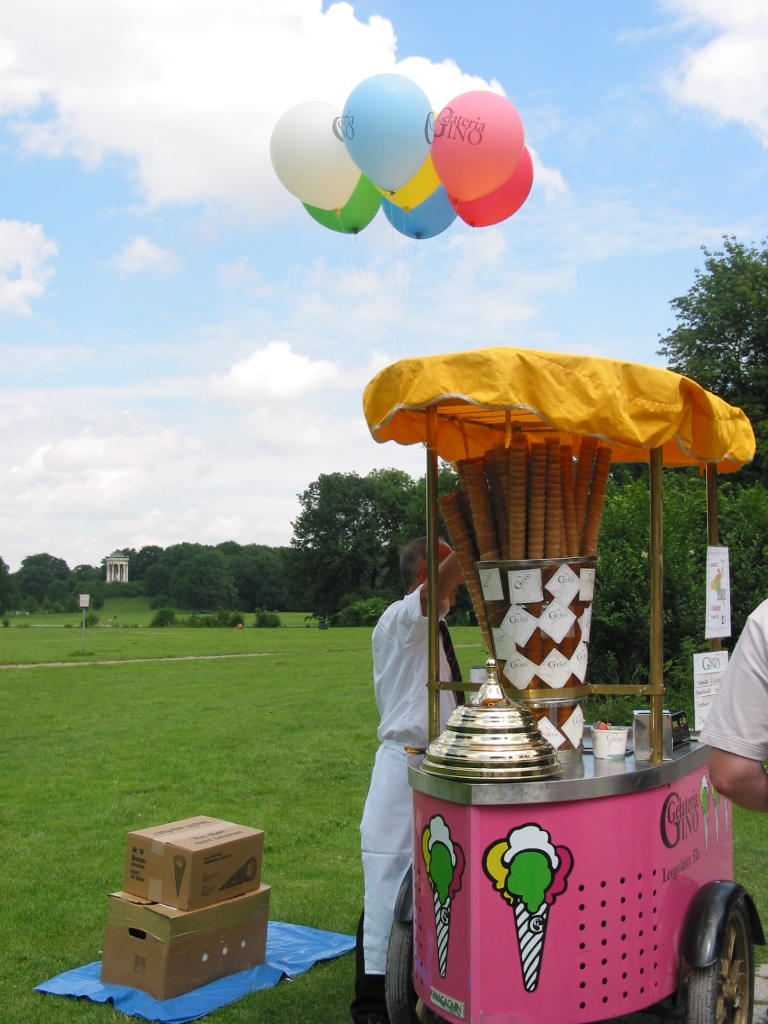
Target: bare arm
(741, 779)
(448, 579)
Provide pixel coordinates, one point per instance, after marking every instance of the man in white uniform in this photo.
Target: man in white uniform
(737, 723)
(400, 673)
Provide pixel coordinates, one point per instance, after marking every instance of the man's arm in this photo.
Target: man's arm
(448, 579)
(741, 779)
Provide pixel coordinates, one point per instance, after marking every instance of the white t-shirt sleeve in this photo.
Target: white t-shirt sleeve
(738, 719)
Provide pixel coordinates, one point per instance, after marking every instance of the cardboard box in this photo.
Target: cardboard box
(193, 863)
(166, 952)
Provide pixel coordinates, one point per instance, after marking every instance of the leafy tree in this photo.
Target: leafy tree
(203, 580)
(258, 576)
(37, 572)
(344, 546)
(157, 584)
(140, 561)
(10, 596)
(721, 340)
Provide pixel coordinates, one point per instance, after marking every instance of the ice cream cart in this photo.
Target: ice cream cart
(550, 885)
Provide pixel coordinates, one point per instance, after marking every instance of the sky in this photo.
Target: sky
(183, 350)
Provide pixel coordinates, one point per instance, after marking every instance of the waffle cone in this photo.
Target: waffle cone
(596, 501)
(569, 506)
(584, 467)
(554, 500)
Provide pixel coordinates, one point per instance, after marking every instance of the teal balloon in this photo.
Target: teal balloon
(387, 125)
(356, 214)
(426, 220)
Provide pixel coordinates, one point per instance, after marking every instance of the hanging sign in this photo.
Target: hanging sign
(718, 593)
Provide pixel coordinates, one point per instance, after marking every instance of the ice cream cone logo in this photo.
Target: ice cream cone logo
(444, 864)
(529, 873)
(716, 807)
(179, 864)
(704, 798)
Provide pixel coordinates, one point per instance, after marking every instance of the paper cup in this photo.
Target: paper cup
(610, 744)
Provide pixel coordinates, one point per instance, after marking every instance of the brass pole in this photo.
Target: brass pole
(713, 533)
(433, 647)
(656, 556)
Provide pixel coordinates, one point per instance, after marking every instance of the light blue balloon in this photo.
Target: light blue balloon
(387, 126)
(426, 220)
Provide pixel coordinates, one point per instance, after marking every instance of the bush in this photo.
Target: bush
(164, 617)
(266, 620)
(361, 613)
(6, 622)
(222, 619)
(91, 619)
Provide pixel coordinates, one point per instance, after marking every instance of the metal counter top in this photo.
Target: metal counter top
(588, 779)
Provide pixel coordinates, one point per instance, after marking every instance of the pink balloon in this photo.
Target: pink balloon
(478, 143)
(498, 205)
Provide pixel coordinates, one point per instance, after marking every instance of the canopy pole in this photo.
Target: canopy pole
(433, 648)
(656, 556)
(713, 532)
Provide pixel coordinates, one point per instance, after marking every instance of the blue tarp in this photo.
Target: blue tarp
(291, 950)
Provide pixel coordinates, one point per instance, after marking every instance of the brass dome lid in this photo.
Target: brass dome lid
(491, 739)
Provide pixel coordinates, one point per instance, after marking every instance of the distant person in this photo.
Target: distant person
(400, 673)
(737, 724)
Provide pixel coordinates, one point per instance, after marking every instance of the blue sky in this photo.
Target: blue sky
(183, 350)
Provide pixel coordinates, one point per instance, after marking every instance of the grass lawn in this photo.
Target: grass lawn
(272, 728)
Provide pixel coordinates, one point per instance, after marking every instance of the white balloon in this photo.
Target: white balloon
(310, 158)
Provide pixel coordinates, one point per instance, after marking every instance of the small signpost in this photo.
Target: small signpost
(85, 600)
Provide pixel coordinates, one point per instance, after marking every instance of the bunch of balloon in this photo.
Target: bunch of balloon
(387, 146)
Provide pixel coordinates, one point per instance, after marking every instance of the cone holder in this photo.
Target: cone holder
(539, 614)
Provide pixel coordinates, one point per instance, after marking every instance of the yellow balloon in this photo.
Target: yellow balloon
(420, 187)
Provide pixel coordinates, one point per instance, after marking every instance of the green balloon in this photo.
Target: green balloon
(356, 214)
(441, 870)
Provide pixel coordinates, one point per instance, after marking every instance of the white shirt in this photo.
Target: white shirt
(400, 673)
(738, 719)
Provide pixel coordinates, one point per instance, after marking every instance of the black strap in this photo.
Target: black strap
(453, 661)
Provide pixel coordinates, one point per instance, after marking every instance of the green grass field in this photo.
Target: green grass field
(272, 728)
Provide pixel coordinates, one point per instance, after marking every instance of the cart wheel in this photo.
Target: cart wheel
(403, 1005)
(722, 993)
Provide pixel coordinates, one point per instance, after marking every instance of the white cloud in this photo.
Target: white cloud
(24, 273)
(141, 255)
(727, 76)
(548, 178)
(190, 92)
(274, 374)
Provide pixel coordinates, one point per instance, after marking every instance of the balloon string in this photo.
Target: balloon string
(448, 275)
(362, 273)
(394, 287)
(413, 277)
(425, 307)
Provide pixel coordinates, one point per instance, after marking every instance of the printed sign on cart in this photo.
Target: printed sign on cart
(718, 593)
(529, 873)
(708, 671)
(684, 814)
(444, 865)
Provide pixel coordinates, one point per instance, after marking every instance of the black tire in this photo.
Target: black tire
(403, 1005)
(723, 993)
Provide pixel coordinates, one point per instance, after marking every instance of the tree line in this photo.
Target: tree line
(194, 577)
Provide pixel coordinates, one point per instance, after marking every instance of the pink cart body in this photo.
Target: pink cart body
(585, 933)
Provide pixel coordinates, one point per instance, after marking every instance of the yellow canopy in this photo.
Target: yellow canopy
(482, 396)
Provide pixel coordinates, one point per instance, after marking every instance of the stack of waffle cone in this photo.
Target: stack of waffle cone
(461, 539)
(527, 502)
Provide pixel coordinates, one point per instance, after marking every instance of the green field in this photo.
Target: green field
(274, 728)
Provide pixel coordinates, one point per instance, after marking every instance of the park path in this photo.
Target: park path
(141, 661)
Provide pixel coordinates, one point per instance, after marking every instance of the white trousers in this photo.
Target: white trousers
(386, 835)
